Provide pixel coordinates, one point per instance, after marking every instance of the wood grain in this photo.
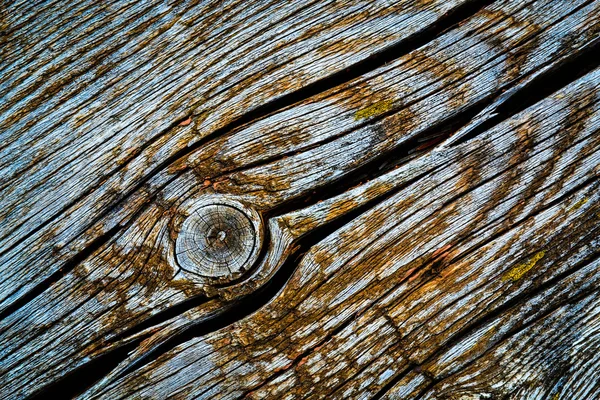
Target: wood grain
(426, 281)
(67, 158)
(410, 236)
(219, 239)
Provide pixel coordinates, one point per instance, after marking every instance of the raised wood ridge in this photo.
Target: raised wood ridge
(308, 199)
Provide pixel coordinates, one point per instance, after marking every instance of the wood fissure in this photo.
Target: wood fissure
(410, 193)
(305, 92)
(344, 76)
(511, 304)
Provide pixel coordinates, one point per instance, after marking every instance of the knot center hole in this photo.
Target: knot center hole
(217, 235)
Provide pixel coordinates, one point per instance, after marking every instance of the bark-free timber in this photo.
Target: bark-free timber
(399, 199)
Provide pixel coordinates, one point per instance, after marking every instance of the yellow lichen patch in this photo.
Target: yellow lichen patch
(517, 272)
(374, 109)
(578, 205)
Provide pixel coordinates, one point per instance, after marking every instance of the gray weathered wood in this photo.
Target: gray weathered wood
(67, 158)
(158, 155)
(219, 239)
(418, 270)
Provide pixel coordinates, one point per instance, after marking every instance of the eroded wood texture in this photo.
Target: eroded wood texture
(125, 78)
(399, 199)
(499, 238)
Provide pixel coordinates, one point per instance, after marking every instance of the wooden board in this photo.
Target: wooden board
(288, 200)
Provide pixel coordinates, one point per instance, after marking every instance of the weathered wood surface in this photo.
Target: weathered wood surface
(407, 199)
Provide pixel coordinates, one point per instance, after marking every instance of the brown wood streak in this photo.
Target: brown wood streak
(410, 277)
(368, 312)
(66, 158)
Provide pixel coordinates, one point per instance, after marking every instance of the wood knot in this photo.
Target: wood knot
(219, 240)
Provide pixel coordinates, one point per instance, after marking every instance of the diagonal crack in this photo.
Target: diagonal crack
(376, 60)
(263, 295)
(552, 80)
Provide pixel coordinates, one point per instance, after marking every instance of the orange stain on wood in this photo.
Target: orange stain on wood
(186, 122)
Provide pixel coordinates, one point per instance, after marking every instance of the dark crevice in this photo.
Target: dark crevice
(375, 167)
(463, 255)
(83, 377)
(388, 386)
(250, 304)
(389, 158)
(426, 141)
(245, 306)
(555, 78)
(370, 170)
(435, 138)
(160, 317)
(389, 54)
(386, 161)
(370, 63)
(46, 283)
(257, 299)
(549, 205)
(80, 379)
(96, 244)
